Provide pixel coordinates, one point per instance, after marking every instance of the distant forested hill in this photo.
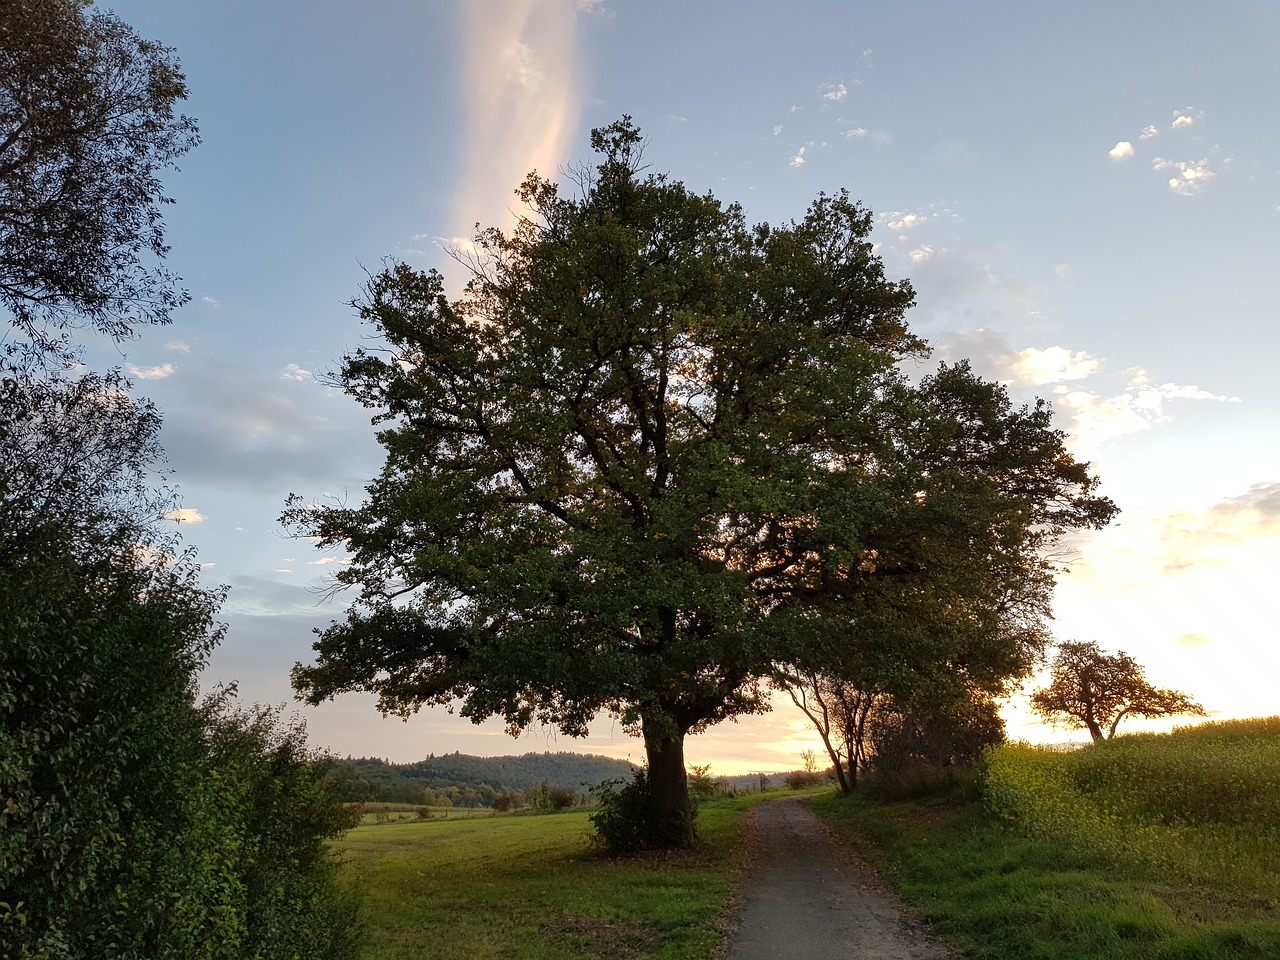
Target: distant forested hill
(463, 780)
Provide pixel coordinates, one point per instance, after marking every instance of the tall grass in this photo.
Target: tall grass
(1201, 804)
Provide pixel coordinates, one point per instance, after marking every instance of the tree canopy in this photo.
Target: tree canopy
(653, 452)
(1096, 690)
(87, 124)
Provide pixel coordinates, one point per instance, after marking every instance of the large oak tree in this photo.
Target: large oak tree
(653, 452)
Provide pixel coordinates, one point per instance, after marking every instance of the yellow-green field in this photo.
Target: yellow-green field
(1201, 804)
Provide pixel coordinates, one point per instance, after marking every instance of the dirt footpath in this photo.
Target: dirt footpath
(805, 896)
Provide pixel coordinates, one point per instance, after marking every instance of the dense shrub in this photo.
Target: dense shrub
(133, 823)
(624, 820)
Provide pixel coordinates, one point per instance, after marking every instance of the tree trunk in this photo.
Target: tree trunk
(668, 785)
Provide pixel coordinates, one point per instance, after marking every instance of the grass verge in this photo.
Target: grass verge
(534, 888)
(997, 895)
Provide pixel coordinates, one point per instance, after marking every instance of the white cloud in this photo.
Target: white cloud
(855, 132)
(1121, 151)
(833, 92)
(1187, 117)
(177, 346)
(325, 561)
(186, 515)
(150, 373)
(1053, 365)
(1148, 132)
(295, 372)
(777, 130)
(589, 6)
(1190, 175)
(211, 301)
(798, 159)
(921, 254)
(905, 221)
(1097, 419)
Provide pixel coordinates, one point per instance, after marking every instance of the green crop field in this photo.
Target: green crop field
(1152, 847)
(1201, 804)
(535, 888)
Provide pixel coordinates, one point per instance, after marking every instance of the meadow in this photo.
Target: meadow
(1162, 847)
(537, 888)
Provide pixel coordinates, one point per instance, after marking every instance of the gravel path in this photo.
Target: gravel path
(806, 896)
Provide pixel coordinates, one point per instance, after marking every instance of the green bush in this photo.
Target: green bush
(623, 820)
(134, 823)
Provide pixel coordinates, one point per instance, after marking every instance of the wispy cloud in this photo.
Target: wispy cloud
(1186, 117)
(295, 372)
(1194, 640)
(904, 221)
(798, 160)
(522, 82)
(177, 346)
(832, 92)
(1189, 177)
(1097, 418)
(1148, 132)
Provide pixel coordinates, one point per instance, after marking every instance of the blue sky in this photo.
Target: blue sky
(1085, 195)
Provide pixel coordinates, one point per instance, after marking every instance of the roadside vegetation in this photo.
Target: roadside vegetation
(1151, 847)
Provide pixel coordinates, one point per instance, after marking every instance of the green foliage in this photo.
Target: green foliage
(1198, 804)
(459, 780)
(87, 124)
(702, 785)
(653, 453)
(624, 818)
(133, 823)
(923, 780)
(938, 735)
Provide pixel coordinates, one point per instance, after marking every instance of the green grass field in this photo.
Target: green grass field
(534, 888)
(1148, 848)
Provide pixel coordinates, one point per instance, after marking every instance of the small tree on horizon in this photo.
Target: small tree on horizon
(1093, 690)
